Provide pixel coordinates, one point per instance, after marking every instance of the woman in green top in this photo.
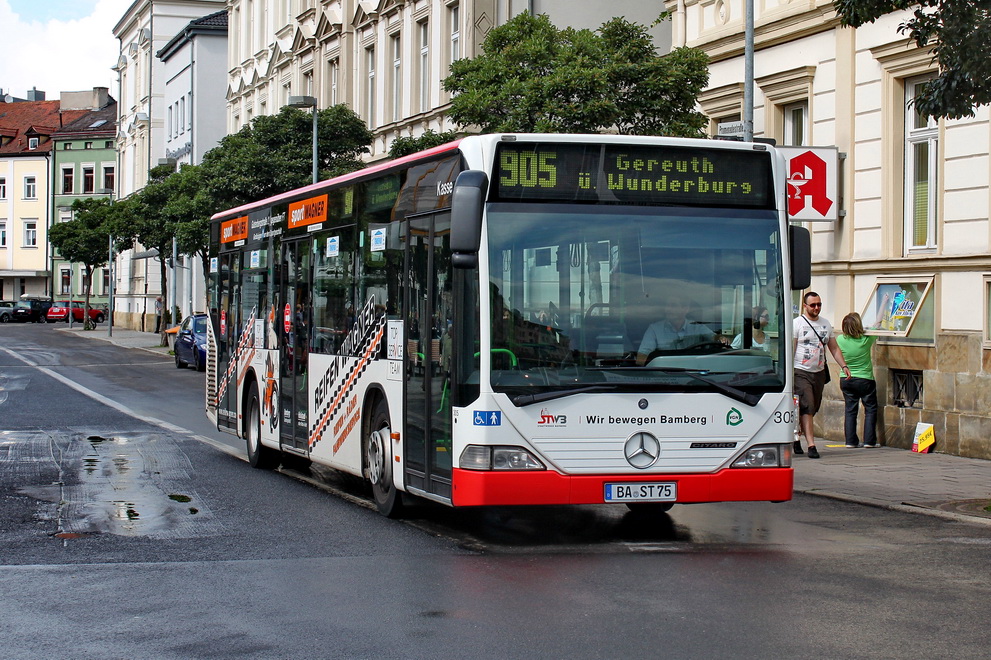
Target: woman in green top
(860, 385)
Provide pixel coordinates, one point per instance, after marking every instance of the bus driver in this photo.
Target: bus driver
(674, 331)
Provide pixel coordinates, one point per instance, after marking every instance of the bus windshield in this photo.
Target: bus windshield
(607, 297)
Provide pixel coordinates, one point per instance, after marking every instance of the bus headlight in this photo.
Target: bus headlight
(764, 456)
(479, 457)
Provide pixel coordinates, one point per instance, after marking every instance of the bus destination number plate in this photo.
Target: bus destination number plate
(642, 492)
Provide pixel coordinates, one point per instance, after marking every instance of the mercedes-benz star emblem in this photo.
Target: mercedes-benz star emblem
(642, 450)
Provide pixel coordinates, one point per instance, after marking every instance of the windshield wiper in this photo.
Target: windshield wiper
(727, 390)
(521, 400)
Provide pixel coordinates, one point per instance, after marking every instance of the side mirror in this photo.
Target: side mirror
(800, 248)
(467, 205)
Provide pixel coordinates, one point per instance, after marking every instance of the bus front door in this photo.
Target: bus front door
(293, 321)
(428, 323)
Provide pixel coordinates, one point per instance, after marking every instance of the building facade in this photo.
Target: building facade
(385, 59)
(195, 62)
(914, 203)
(85, 167)
(145, 29)
(26, 148)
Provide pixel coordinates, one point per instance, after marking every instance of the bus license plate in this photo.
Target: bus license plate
(642, 492)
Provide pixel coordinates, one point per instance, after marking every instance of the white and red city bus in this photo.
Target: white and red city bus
(519, 319)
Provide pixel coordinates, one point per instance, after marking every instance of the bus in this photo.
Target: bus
(519, 319)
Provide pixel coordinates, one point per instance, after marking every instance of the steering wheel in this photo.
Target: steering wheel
(701, 348)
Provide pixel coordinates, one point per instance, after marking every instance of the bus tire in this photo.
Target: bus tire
(649, 507)
(259, 456)
(378, 462)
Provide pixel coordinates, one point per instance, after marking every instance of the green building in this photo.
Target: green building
(85, 166)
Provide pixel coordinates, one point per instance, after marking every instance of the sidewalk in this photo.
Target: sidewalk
(147, 341)
(949, 487)
(940, 485)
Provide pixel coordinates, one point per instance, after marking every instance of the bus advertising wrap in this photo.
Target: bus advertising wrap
(633, 174)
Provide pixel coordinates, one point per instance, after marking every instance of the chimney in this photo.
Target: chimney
(35, 95)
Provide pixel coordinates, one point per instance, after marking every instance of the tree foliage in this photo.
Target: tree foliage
(404, 146)
(270, 155)
(85, 239)
(957, 33)
(534, 77)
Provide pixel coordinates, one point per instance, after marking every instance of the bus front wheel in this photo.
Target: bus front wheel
(259, 456)
(378, 462)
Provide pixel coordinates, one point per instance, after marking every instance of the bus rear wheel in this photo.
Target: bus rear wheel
(259, 456)
(378, 462)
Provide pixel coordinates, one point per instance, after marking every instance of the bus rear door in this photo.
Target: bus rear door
(293, 321)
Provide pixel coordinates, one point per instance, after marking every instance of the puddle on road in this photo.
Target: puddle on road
(135, 485)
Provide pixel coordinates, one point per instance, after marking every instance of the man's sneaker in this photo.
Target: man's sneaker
(853, 446)
(798, 447)
(813, 452)
(866, 446)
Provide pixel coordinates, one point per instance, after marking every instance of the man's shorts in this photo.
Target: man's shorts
(808, 388)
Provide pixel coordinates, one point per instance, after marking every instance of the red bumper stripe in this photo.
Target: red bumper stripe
(475, 488)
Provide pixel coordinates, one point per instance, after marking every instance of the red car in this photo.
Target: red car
(59, 311)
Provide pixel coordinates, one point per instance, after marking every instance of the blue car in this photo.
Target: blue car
(190, 343)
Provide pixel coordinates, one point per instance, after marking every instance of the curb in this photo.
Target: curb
(901, 508)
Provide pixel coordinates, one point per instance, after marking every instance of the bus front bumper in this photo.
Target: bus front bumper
(496, 488)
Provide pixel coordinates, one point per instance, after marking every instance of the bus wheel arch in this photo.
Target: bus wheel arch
(377, 457)
(259, 456)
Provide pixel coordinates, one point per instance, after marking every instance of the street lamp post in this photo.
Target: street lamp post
(308, 102)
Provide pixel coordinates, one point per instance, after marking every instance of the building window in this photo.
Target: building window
(308, 83)
(397, 79)
(88, 145)
(423, 70)
(30, 233)
(33, 143)
(906, 388)
(106, 281)
(3, 234)
(67, 146)
(921, 151)
(3, 187)
(66, 287)
(189, 115)
(30, 187)
(109, 144)
(796, 124)
(370, 92)
(67, 182)
(170, 122)
(89, 180)
(182, 115)
(335, 68)
(108, 177)
(454, 20)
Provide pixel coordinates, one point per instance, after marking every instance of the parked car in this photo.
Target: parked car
(59, 311)
(190, 343)
(32, 309)
(6, 311)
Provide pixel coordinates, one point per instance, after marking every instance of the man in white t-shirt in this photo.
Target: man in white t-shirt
(813, 334)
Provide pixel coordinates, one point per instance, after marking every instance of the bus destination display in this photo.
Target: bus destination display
(628, 174)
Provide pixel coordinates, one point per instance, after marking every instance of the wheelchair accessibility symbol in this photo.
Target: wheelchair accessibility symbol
(487, 418)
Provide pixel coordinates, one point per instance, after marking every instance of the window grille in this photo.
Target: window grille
(906, 388)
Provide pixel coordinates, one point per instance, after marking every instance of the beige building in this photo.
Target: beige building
(915, 196)
(383, 58)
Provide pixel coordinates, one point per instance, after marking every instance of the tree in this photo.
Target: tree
(85, 239)
(404, 146)
(274, 154)
(533, 77)
(956, 32)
